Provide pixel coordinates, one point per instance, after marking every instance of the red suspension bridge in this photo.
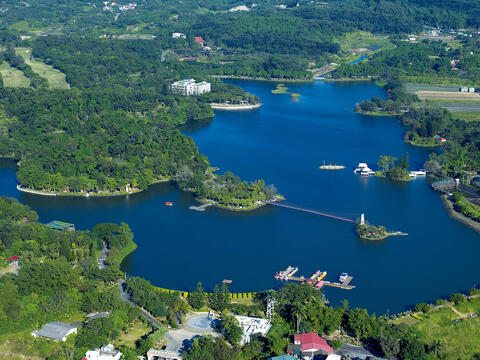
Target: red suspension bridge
(360, 220)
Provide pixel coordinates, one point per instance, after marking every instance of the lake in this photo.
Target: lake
(283, 143)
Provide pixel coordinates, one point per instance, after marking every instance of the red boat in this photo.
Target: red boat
(168, 203)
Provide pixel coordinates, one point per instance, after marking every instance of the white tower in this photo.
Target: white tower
(362, 219)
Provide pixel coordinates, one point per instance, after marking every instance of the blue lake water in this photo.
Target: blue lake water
(284, 142)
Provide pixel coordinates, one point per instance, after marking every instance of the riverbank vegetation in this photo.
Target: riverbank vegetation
(393, 168)
(466, 207)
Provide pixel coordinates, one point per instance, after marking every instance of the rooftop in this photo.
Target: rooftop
(54, 330)
(59, 225)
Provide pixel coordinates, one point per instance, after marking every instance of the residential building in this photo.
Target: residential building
(309, 345)
(96, 315)
(177, 35)
(251, 326)
(106, 352)
(199, 40)
(57, 331)
(190, 87)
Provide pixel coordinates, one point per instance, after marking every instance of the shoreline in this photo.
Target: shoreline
(229, 107)
(454, 214)
(261, 79)
(87, 195)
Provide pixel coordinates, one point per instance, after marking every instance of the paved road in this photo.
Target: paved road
(126, 297)
(355, 352)
(102, 258)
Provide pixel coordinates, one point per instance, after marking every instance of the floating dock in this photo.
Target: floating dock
(202, 207)
(316, 279)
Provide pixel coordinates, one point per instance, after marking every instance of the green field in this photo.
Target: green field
(455, 335)
(411, 88)
(13, 77)
(467, 115)
(56, 78)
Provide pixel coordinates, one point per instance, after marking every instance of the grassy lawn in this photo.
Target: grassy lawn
(56, 78)
(13, 77)
(243, 301)
(455, 336)
(467, 115)
(132, 334)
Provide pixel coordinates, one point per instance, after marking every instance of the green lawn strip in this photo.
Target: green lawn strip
(116, 256)
(56, 78)
(13, 77)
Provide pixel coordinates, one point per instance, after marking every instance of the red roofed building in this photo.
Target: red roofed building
(199, 39)
(308, 345)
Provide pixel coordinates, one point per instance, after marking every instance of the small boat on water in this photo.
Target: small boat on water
(364, 170)
(168, 203)
(343, 277)
(226, 281)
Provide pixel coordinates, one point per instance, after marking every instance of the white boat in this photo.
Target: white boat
(343, 277)
(416, 173)
(364, 170)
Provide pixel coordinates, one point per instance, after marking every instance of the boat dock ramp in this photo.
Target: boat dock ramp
(202, 207)
(316, 279)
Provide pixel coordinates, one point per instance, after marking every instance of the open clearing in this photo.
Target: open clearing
(56, 79)
(13, 77)
(447, 95)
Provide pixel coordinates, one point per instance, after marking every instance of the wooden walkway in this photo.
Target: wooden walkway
(202, 207)
(345, 285)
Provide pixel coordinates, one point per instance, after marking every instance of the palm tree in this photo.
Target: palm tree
(298, 310)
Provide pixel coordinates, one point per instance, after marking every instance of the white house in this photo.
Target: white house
(57, 331)
(106, 352)
(251, 326)
(190, 87)
(177, 35)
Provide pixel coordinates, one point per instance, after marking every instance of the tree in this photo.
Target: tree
(232, 331)
(457, 298)
(389, 345)
(423, 307)
(197, 299)
(384, 163)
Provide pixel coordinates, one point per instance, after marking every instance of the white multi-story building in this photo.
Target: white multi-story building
(177, 35)
(106, 352)
(251, 326)
(190, 87)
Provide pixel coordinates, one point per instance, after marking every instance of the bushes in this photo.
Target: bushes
(466, 207)
(423, 307)
(457, 298)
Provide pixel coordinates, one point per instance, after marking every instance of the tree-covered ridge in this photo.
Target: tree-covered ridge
(428, 61)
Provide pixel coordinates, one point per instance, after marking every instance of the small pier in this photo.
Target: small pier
(316, 279)
(202, 207)
(344, 285)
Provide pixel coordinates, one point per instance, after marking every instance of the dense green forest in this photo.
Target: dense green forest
(117, 129)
